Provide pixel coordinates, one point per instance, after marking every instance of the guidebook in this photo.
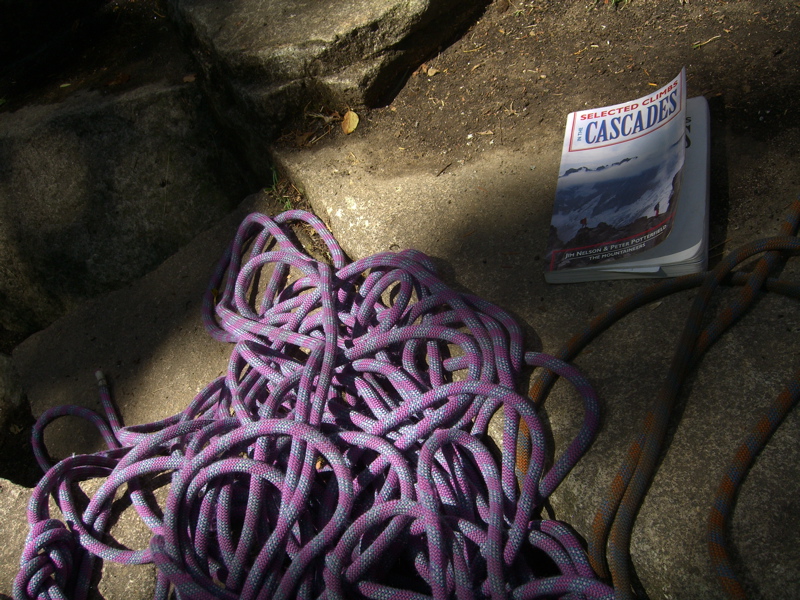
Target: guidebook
(632, 193)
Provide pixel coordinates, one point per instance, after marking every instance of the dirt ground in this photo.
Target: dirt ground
(541, 59)
(523, 59)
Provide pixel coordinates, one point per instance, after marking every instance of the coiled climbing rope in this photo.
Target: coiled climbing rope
(344, 454)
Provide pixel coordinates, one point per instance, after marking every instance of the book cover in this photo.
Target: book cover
(619, 182)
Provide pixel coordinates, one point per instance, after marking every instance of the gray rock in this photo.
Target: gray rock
(156, 362)
(96, 191)
(158, 359)
(11, 394)
(267, 61)
(13, 529)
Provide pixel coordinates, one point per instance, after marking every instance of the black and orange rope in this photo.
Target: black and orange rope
(609, 543)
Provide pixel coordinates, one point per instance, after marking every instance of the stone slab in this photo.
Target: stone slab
(147, 338)
(98, 190)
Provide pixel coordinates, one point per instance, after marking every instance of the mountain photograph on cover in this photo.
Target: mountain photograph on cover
(616, 201)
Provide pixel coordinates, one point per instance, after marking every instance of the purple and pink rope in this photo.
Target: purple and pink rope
(344, 454)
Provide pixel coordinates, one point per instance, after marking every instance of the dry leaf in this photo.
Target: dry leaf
(189, 78)
(349, 122)
(301, 139)
(431, 72)
(120, 79)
